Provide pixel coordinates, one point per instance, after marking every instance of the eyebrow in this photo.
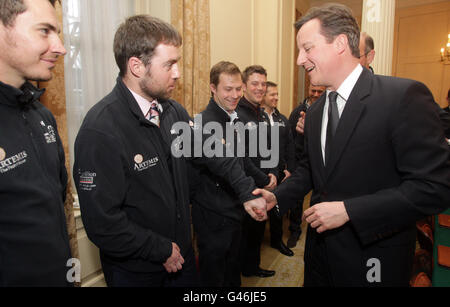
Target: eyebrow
(50, 26)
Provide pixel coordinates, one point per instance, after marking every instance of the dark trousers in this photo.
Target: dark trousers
(218, 242)
(317, 273)
(187, 277)
(252, 237)
(276, 227)
(295, 218)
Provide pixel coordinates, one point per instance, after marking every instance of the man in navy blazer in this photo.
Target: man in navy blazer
(384, 166)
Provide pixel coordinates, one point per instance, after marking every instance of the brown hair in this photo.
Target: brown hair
(9, 9)
(252, 70)
(139, 36)
(335, 19)
(223, 67)
(271, 84)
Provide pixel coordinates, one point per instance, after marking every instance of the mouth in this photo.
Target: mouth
(52, 62)
(310, 69)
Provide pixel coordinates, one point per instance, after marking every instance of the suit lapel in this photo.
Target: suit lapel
(349, 119)
(314, 142)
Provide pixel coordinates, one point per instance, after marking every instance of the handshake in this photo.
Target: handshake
(258, 207)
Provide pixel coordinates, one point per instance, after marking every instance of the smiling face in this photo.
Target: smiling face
(255, 88)
(271, 98)
(315, 92)
(30, 47)
(162, 73)
(228, 91)
(316, 55)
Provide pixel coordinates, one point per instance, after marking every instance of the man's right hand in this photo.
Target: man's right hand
(270, 198)
(301, 123)
(175, 262)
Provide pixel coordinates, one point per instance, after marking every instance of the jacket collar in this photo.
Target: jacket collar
(214, 108)
(23, 97)
(131, 103)
(244, 103)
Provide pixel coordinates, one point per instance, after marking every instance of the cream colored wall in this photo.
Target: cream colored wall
(248, 32)
(231, 28)
(156, 8)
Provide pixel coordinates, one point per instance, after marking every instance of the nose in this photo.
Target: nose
(175, 71)
(57, 45)
(237, 94)
(301, 60)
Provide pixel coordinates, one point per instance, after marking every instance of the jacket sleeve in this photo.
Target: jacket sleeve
(100, 174)
(290, 149)
(261, 179)
(294, 188)
(228, 168)
(62, 158)
(422, 159)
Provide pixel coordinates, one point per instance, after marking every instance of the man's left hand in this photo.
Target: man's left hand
(326, 216)
(257, 209)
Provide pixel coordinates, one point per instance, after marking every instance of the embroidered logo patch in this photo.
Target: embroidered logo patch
(2, 154)
(50, 135)
(138, 159)
(87, 180)
(141, 165)
(7, 164)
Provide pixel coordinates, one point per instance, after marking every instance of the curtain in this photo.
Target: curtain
(191, 18)
(90, 67)
(54, 99)
(87, 73)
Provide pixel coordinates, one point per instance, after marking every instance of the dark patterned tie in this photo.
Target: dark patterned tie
(333, 120)
(154, 113)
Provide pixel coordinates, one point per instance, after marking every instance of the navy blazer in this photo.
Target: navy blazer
(389, 165)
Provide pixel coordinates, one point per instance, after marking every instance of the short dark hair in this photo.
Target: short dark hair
(223, 67)
(335, 19)
(9, 9)
(271, 84)
(139, 36)
(252, 70)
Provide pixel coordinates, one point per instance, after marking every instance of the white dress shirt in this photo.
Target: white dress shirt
(344, 92)
(145, 105)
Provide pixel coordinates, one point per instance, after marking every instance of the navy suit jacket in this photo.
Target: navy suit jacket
(390, 166)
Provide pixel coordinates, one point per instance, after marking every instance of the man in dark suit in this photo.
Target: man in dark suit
(375, 157)
(366, 51)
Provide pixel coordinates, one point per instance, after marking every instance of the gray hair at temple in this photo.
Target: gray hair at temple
(9, 9)
(335, 19)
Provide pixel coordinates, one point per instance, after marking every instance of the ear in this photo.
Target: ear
(136, 67)
(370, 56)
(213, 88)
(244, 87)
(341, 43)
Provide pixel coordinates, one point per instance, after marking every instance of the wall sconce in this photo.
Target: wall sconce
(445, 53)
